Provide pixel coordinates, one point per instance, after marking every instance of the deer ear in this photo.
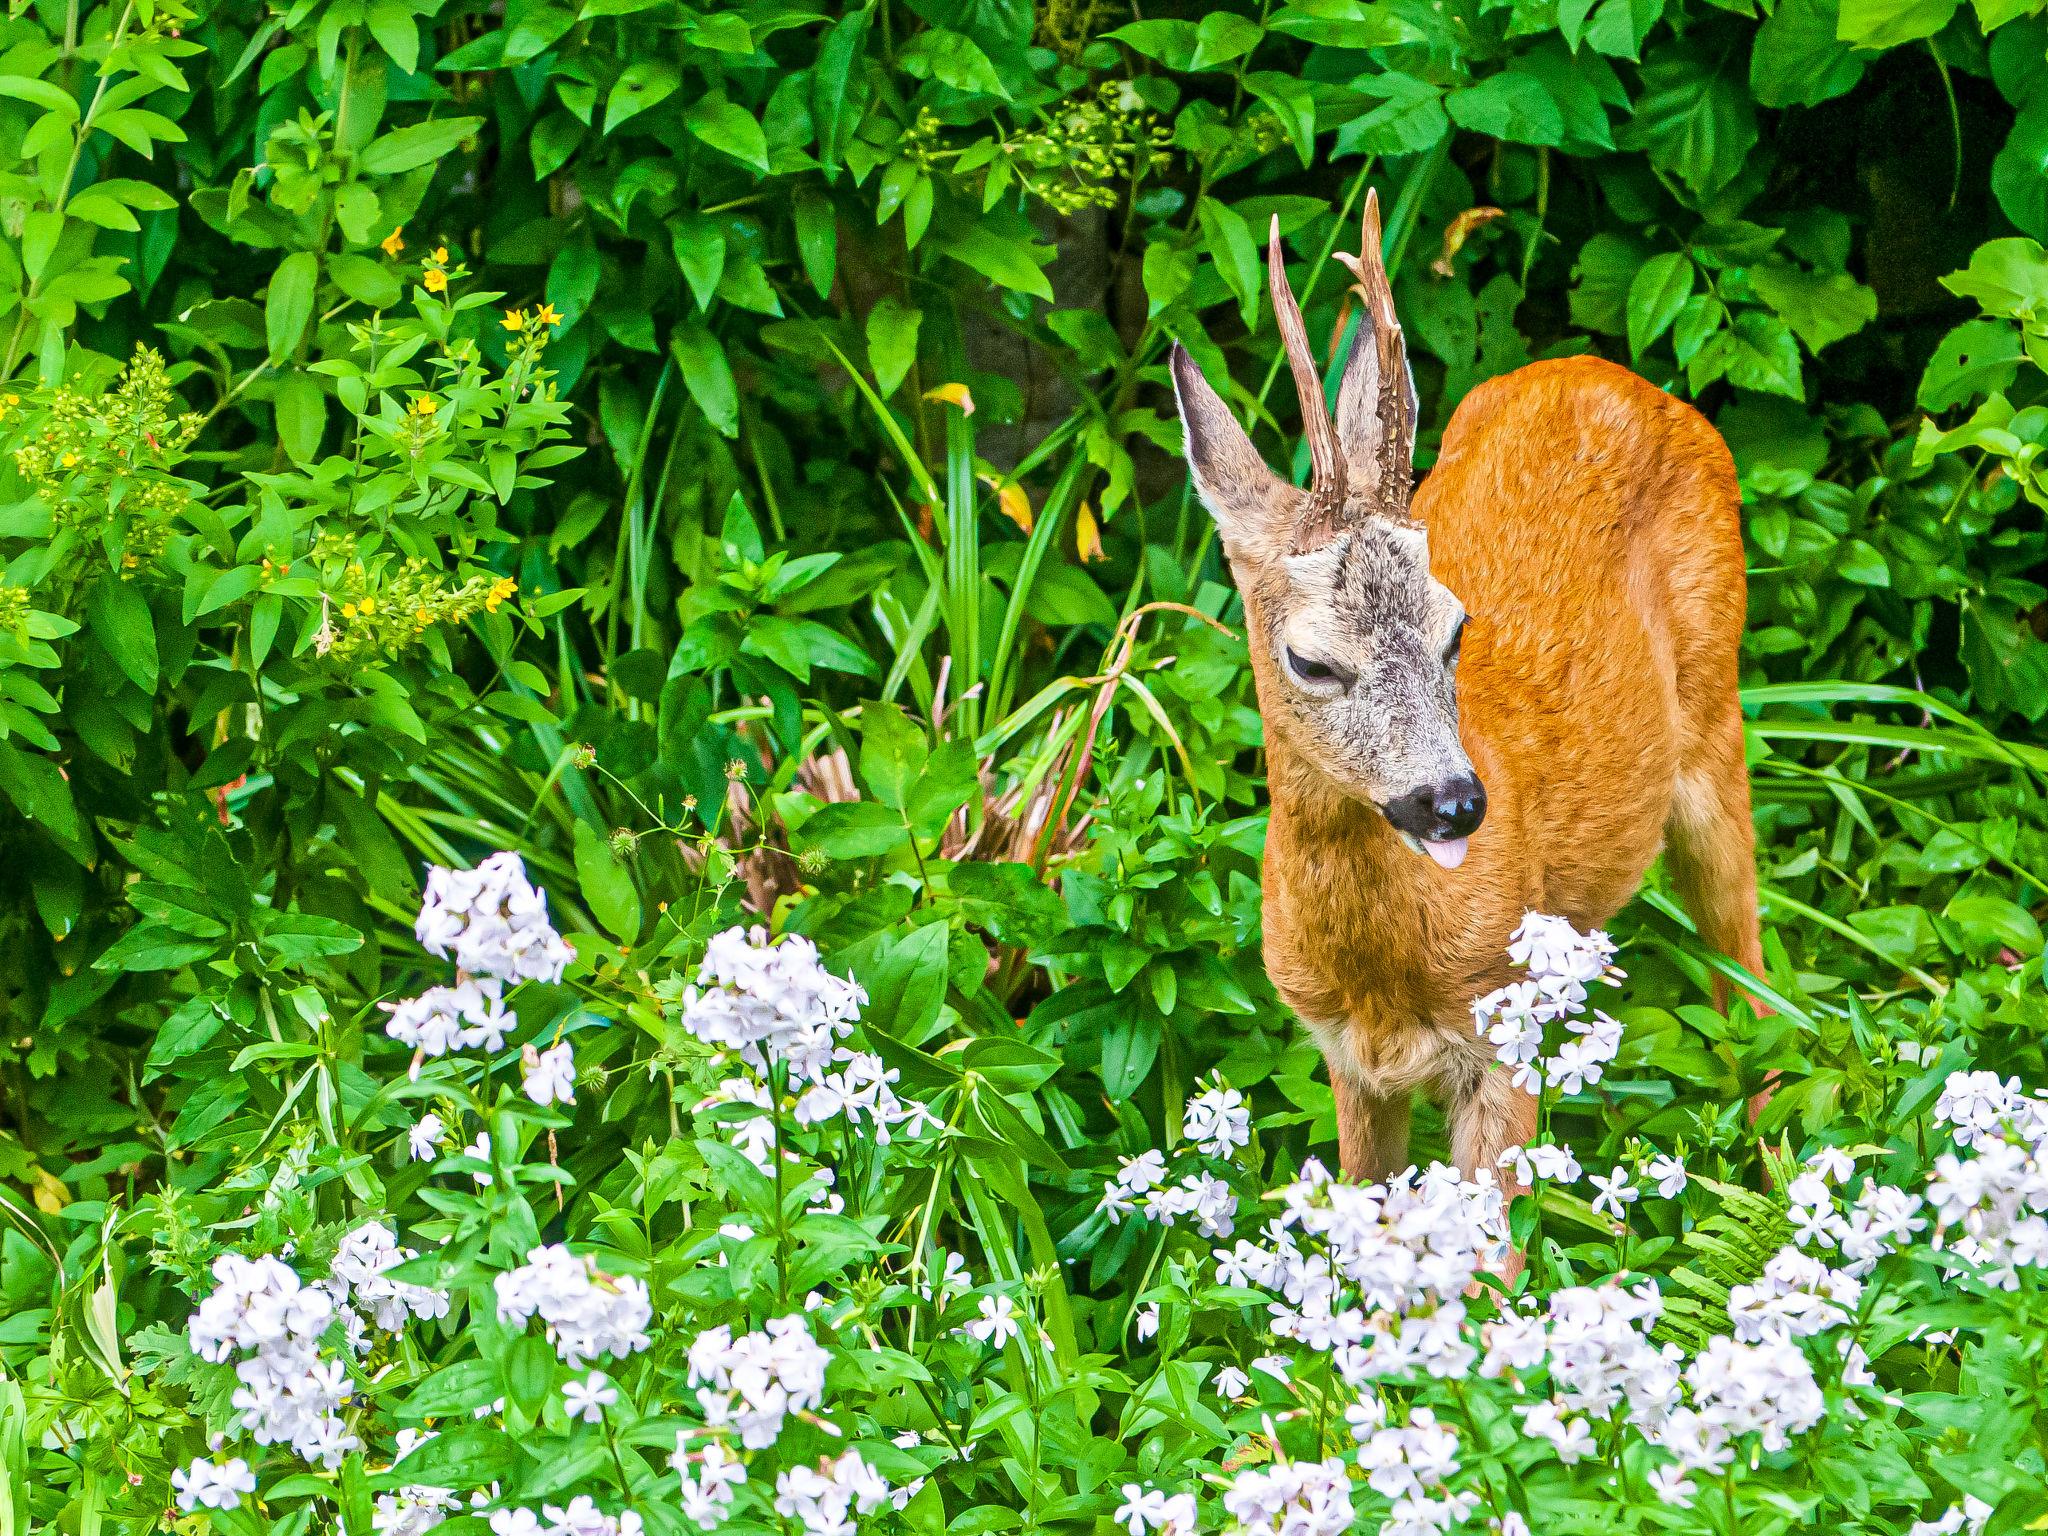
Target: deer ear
(1253, 507)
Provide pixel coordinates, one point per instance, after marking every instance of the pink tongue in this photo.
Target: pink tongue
(1448, 854)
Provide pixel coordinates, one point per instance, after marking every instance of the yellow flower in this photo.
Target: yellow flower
(547, 314)
(440, 256)
(393, 243)
(424, 405)
(368, 605)
(348, 610)
(1087, 535)
(515, 320)
(501, 589)
(69, 459)
(422, 617)
(436, 280)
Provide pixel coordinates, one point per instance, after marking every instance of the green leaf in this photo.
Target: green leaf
(1293, 103)
(1235, 252)
(1755, 352)
(817, 239)
(641, 84)
(708, 375)
(2019, 174)
(1692, 121)
(851, 830)
(1655, 295)
(2007, 278)
(1820, 309)
(1508, 105)
(838, 92)
(119, 618)
(953, 60)
(462, 1458)
(892, 342)
(1222, 36)
(1978, 357)
(407, 149)
(892, 752)
(1875, 24)
(731, 128)
(1798, 60)
(289, 303)
(607, 884)
(1009, 262)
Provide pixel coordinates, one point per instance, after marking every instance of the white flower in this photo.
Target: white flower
(516, 1522)
(1668, 1172)
(1569, 1437)
(586, 1311)
(1148, 1320)
(710, 1479)
(423, 1141)
(1541, 1160)
(549, 1077)
(588, 1399)
(492, 922)
(1291, 1498)
(1217, 1121)
(1148, 1509)
(208, 1485)
(752, 1383)
(480, 1149)
(997, 1324)
(1616, 1193)
(1797, 1295)
(1232, 1382)
(1832, 1164)
(823, 1499)
(443, 1019)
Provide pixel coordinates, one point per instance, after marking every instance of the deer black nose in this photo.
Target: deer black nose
(1437, 813)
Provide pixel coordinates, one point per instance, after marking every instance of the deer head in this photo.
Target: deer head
(1354, 645)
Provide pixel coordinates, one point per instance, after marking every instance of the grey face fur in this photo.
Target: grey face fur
(1360, 649)
(1375, 706)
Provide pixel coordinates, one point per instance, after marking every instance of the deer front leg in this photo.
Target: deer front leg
(1372, 1130)
(1486, 1120)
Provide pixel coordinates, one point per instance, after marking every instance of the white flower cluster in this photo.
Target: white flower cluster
(1291, 1498)
(1141, 1186)
(1970, 1516)
(1375, 1274)
(711, 1479)
(1988, 1209)
(824, 1499)
(458, 1018)
(491, 921)
(1796, 1297)
(753, 1382)
(1152, 1510)
(1595, 1340)
(1218, 1121)
(1410, 1463)
(288, 1394)
(210, 1485)
(579, 1517)
(358, 1280)
(1560, 962)
(587, 1312)
(769, 1001)
(1881, 1219)
(1981, 1109)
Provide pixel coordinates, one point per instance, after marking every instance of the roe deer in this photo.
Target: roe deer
(1589, 525)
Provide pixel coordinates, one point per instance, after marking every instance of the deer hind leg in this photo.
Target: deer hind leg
(1372, 1130)
(1712, 851)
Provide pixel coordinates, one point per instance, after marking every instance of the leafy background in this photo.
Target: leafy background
(725, 455)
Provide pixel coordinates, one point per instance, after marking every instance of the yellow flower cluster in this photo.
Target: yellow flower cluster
(373, 609)
(1090, 149)
(97, 457)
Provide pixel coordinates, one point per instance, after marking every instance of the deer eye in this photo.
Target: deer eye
(1457, 639)
(1307, 671)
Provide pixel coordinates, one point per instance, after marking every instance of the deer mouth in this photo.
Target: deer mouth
(1447, 853)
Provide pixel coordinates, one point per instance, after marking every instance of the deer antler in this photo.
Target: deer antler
(1326, 485)
(1392, 472)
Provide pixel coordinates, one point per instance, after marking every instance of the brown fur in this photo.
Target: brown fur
(1590, 525)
